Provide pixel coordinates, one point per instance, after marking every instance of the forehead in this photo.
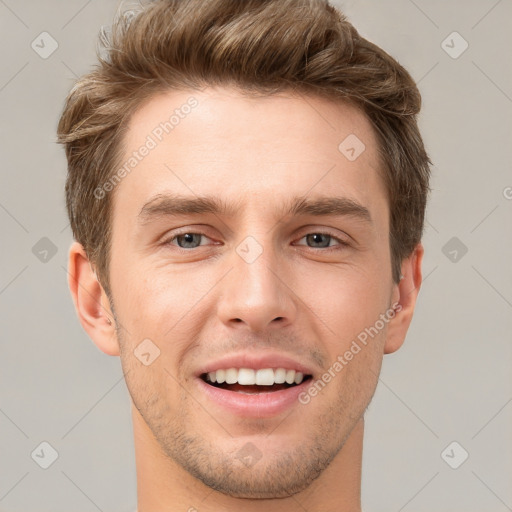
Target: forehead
(257, 151)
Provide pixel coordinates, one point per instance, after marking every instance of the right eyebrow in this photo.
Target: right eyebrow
(175, 205)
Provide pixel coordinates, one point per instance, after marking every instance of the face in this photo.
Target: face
(249, 249)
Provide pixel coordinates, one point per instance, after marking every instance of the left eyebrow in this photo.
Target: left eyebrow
(169, 205)
(330, 206)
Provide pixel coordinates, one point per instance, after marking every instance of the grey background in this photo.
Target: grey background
(451, 381)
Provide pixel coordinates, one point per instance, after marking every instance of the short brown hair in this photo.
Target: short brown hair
(260, 47)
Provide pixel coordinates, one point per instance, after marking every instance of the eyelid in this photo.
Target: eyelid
(325, 230)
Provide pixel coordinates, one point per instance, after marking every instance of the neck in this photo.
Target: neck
(164, 485)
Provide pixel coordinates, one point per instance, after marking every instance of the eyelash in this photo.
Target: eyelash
(342, 243)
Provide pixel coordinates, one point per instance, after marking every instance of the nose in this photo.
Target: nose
(258, 294)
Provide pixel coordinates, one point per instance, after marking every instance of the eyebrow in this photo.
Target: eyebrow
(162, 206)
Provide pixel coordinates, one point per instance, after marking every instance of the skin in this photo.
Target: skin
(306, 298)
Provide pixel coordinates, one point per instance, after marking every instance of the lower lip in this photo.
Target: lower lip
(254, 405)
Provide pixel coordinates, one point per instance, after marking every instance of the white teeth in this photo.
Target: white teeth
(261, 377)
(246, 377)
(280, 376)
(220, 377)
(265, 377)
(231, 376)
(290, 376)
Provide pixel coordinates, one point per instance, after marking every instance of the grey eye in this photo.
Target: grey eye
(189, 240)
(316, 238)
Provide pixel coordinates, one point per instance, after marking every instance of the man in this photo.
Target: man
(247, 188)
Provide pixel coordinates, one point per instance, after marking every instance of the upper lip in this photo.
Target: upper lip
(256, 362)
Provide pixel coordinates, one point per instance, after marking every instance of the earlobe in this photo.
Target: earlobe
(404, 296)
(91, 302)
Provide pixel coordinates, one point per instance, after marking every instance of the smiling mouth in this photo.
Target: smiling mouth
(251, 381)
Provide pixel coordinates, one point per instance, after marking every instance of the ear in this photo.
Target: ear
(91, 301)
(404, 296)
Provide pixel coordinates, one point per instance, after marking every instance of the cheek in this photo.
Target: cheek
(169, 308)
(152, 301)
(344, 301)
